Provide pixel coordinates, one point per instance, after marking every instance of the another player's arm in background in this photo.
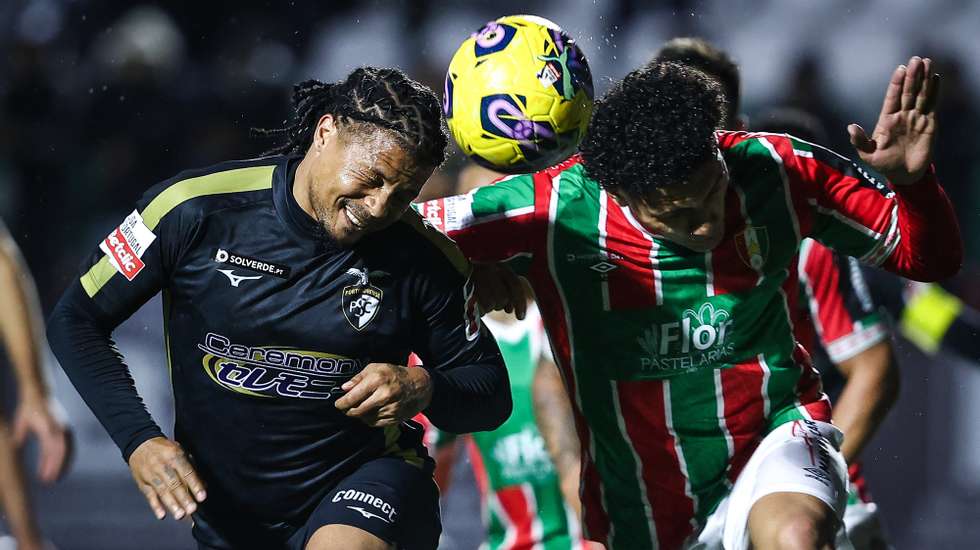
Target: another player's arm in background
(112, 287)
(856, 339)
(871, 390)
(908, 228)
(553, 413)
(492, 225)
(21, 336)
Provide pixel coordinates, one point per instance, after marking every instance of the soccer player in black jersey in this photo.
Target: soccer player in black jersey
(294, 287)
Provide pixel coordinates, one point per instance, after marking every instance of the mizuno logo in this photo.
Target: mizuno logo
(367, 514)
(237, 279)
(361, 497)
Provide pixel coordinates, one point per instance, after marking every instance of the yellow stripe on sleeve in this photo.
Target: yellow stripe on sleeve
(253, 178)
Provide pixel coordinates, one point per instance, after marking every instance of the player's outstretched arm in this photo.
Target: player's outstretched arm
(908, 227)
(871, 390)
(492, 223)
(901, 149)
(22, 335)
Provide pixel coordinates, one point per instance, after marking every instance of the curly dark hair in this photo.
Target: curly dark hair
(714, 62)
(383, 97)
(653, 128)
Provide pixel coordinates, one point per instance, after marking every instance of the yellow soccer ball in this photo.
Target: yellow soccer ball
(518, 95)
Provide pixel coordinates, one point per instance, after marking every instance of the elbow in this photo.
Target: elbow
(932, 266)
(502, 409)
(484, 406)
(497, 410)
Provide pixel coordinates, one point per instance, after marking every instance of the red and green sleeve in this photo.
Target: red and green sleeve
(494, 223)
(838, 306)
(910, 230)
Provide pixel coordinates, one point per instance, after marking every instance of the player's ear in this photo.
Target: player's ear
(326, 130)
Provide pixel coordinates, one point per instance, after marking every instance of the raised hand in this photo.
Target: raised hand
(900, 147)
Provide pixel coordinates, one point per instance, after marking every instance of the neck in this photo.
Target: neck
(301, 186)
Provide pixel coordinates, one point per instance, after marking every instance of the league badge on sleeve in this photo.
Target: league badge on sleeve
(361, 300)
(126, 245)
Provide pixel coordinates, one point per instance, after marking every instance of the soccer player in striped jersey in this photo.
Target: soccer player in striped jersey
(840, 324)
(663, 261)
(523, 504)
(294, 287)
(836, 319)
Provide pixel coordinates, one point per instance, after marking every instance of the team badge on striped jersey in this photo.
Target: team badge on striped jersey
(360, 301)
(753, 246)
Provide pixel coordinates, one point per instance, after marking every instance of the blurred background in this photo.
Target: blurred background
(101, 99)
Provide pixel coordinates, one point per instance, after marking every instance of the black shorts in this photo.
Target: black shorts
(387, 497)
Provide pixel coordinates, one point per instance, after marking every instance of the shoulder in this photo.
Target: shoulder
(416, 242)
(571, 171)
(756, 144)
(197, 192)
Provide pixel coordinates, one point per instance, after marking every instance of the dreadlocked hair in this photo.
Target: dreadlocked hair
(384, 97)
(653, 128)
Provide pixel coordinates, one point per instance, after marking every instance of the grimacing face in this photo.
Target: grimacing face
(360, 179)
(691, 213)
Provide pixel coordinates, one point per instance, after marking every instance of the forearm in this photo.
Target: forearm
(20, 323)
(871, 389)
(930, 248)
(85, 350)
(470, 398)
(553, 414)
(14, 501)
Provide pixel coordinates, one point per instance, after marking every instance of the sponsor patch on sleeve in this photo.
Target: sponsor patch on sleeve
(449, 214)
(126, 245)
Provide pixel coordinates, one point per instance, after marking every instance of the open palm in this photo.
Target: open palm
(900, 148)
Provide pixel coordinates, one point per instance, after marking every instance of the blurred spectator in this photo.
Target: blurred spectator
(808, 91)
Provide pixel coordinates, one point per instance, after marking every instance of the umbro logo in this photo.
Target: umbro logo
(598, 262)
(237, 279)
(366, 514)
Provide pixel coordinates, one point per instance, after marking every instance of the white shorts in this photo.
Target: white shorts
(802, 456)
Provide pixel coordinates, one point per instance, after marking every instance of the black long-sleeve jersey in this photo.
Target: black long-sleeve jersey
(264, 321)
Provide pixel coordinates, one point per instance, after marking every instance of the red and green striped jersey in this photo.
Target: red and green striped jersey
(523, 507)
(522, 500)
(837, 311)
(678, 362)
